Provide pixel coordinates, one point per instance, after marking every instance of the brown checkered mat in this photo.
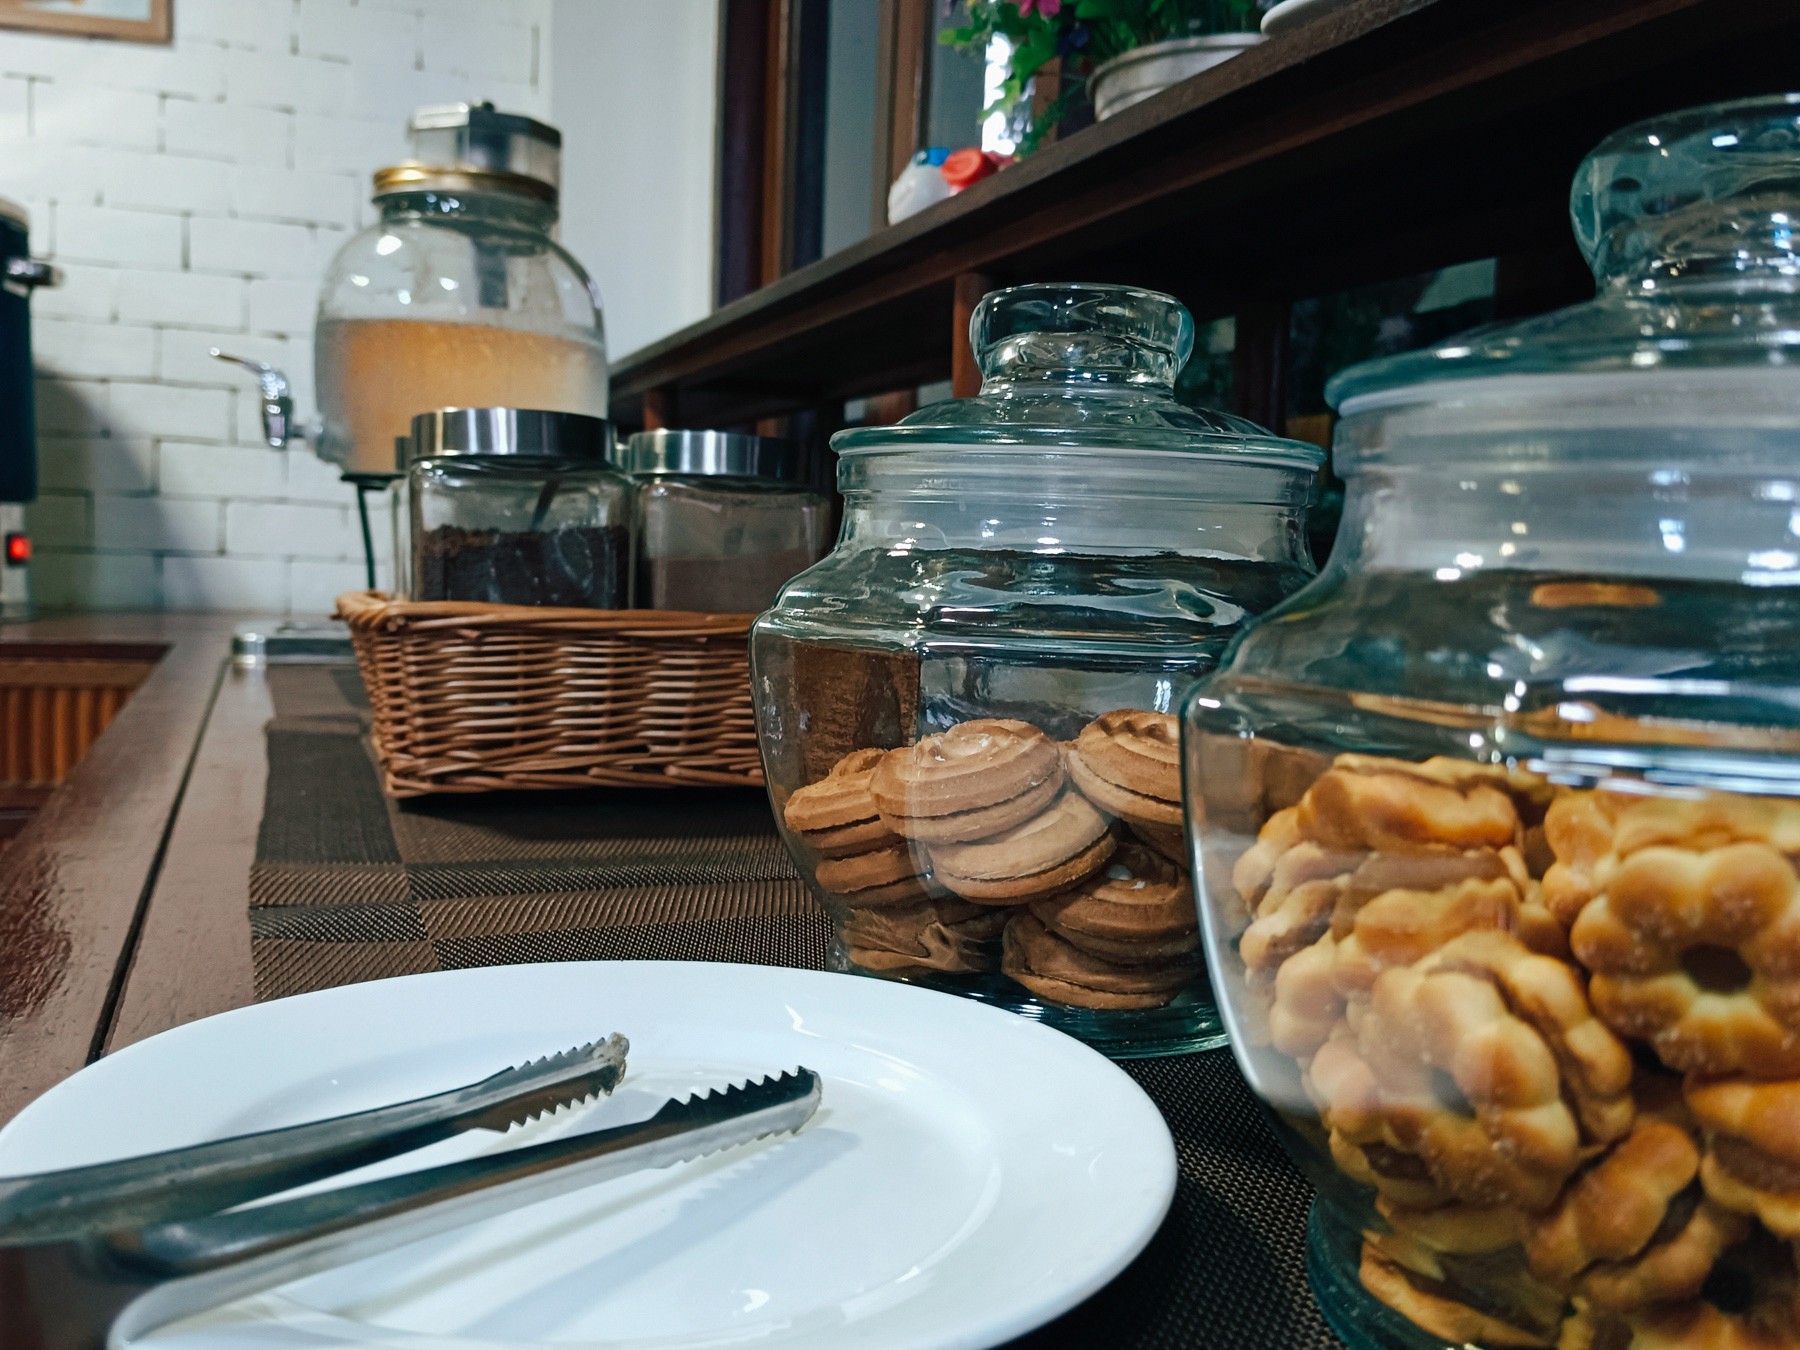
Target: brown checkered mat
(349, 886)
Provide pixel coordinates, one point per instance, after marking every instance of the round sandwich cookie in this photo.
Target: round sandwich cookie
(1136, 910)
(1062, 845)
(1054, 969)
(974, 780)
(948, 936)
(836, 816)
(886, 876)
(1128, 762)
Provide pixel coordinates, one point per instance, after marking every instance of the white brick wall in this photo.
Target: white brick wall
(192, 195)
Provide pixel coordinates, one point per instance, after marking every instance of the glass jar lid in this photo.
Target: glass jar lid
(1081, 366)
(523, 433)
(1688, 221)
(722, 454)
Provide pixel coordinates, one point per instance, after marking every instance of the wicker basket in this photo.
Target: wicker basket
(477, 698)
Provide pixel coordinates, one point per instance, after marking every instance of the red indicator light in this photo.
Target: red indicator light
(18, 549)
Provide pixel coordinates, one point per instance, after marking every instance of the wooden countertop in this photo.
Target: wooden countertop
(122, 904)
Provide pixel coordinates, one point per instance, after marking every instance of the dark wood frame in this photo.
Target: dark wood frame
(159, 27)
(742, 134)
(769, 208)
(772, 83)
(902, 90)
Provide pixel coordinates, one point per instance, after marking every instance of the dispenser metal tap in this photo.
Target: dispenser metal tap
(277, 397)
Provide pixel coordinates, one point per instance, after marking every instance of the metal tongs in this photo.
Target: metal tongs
(93, 1256)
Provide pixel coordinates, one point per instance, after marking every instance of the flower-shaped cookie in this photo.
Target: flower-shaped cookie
(1497, 1302)
(1698, 952)
(1752, 1303)
(1488, 1065)
(1634, 1228)
(1365, 802)
(1752, 1162)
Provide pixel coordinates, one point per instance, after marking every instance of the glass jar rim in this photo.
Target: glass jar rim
(1266, 450)
(1723, 419)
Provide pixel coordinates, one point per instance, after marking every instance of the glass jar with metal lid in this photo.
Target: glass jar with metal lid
(514, 506)
(1499, 819)
(723, 519)
(458, 296)
(966, 711)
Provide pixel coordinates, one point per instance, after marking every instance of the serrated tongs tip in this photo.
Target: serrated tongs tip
(541, 1087)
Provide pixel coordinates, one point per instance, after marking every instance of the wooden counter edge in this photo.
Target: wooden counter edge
(192, 957)
(76, 883)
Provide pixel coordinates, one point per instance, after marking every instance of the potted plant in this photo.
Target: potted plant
(1127, 49)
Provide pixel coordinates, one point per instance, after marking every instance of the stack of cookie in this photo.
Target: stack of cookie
(1557, 1034)
(899, 918)
(990, 826)
(943, 934)
(1124, 938)
(988, 803)
(1128, 763)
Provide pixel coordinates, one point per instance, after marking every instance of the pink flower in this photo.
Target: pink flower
(1047, 8)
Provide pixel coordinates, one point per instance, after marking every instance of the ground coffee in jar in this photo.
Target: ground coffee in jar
(723, 520)
(517, 507)
(575, 565)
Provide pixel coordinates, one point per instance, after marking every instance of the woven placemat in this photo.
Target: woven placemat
(349, 886)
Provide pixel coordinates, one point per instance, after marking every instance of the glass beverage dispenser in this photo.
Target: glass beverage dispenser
(458, 296)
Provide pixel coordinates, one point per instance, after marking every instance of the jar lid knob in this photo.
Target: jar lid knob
(1712, 191)
(1080, 333)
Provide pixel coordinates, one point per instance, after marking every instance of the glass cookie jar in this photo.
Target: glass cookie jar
(966, 709)
(1498, 821)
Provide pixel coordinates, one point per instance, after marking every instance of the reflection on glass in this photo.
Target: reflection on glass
(849, 122)
(1208, 379)
(999, 131)
(956, 87)
(1333, 332)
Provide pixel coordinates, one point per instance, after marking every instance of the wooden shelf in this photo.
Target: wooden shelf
(1391, 137)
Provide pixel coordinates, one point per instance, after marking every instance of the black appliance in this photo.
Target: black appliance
(19, 274)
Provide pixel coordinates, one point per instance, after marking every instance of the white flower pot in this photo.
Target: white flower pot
(1136, 75)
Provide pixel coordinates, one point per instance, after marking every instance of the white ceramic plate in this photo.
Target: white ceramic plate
(1291, 14)
(969, 1175)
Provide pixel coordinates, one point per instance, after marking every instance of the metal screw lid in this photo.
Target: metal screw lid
(528, 433)
(462, 147)
(722, 454)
